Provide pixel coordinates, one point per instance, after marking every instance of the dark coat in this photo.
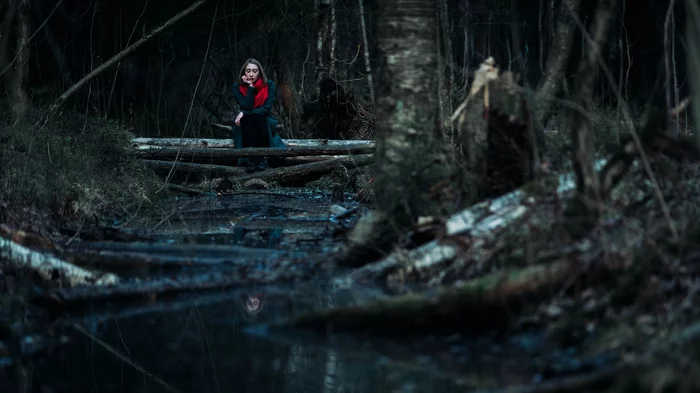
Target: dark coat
(246, 104)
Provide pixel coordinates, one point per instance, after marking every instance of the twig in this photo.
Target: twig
(122, 357)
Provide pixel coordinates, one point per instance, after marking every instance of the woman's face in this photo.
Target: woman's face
(252, 72)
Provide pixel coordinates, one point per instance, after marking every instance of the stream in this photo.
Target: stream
(218, 341)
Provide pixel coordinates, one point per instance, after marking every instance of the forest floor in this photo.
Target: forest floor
(499, 284)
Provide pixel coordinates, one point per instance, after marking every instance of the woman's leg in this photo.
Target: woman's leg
(255, 134)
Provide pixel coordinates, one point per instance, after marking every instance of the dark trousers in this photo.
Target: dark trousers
(254, 131)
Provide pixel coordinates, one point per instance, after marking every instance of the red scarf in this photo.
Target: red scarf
(260, 92)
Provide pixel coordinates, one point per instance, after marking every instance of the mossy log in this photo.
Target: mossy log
(480, 304)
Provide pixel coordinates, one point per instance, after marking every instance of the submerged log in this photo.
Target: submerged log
(194, 153)
(51, 268)
(162, 287)
(308, 172)
(228, 143)
(181, 250)
(476, 305)
(132, 259)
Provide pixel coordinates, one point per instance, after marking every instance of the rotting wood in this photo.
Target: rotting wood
(189, 142)
(480, 221)
(161, 248)
(307, 171)
(190, 153)
(211, 169)
(436, 253)
(163, 287)
(50, 268)
(228, 143)
(188, 190)
(466, 219)
(131, 259)
(489, 302)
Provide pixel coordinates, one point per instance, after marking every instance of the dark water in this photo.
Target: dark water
(219, 342)
(202, 346)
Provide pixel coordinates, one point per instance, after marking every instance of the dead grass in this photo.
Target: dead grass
(75, 167)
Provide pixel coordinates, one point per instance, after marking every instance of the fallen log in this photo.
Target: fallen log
(466, 219)
(228, 143)
(189, 190)
(49, 267)
(161, 288)
(479, 222)
(476, 305)
(183, 250)
(131, 259)
(198, 153)
(309, 171)
(207, 169)
(225, 170)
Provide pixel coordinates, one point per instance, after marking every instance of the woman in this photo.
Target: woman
(255, 126)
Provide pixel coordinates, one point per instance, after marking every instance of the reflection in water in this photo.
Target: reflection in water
(202, 348)
(252, 304)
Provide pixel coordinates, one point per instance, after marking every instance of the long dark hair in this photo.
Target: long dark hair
(260, 67)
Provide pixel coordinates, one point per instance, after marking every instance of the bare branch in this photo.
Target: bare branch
(119, 56)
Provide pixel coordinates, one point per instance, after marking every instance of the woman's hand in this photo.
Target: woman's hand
(246, 81)
(238, 119)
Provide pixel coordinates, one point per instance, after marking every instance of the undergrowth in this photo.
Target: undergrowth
(74, 167)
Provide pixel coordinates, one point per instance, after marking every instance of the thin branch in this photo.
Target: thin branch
(119, 56)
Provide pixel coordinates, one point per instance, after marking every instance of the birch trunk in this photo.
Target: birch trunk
(407, 107)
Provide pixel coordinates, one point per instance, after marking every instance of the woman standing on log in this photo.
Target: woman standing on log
(255, 126)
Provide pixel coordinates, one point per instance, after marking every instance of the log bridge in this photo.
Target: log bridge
(301, 160)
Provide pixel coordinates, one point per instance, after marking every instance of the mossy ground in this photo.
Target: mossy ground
(73, 168)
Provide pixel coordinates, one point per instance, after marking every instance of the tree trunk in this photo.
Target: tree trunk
(407, 108)
(588, 185)
(19, 80)
(365, 45)
(693, 38)
(323, 41)
(557, 60)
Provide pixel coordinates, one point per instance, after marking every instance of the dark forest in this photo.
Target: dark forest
(349, 196)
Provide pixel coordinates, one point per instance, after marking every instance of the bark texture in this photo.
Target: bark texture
(19, 95)
(407, 105)
(557, 60)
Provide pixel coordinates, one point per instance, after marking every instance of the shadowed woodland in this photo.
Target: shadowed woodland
(472, 196)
